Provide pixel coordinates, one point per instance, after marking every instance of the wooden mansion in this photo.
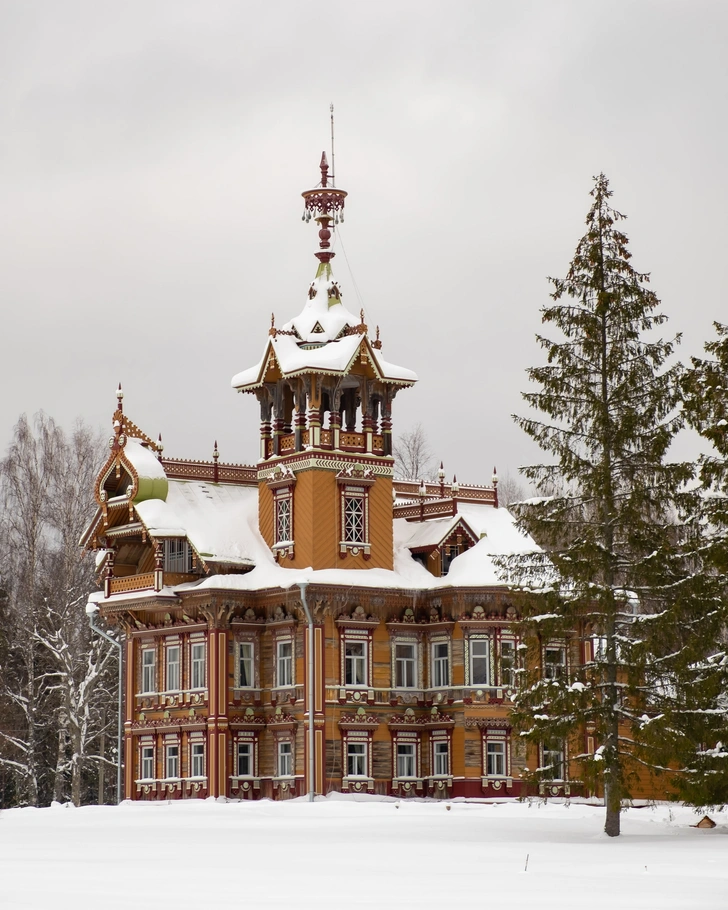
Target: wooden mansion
(309, 623)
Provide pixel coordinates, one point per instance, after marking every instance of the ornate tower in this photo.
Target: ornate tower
(325, 391)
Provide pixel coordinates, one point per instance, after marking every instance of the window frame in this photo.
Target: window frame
(436, 664)
(240, 645)
(249, 746)
(361, 755)
(354, 486)
(487, 642)
(197, 755)
(195, 663)
(281, 662)
(281, 746)
(562, 763)
(512, 681)
(168, 757)
(144, 759)
(437, 753)
(555, 670)
(283, 516)
(400, 664)
(355, 662)
(178, 556)
(169, 649)
(149, 669)
(410, 755)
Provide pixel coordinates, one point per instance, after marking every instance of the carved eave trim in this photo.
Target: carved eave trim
(127, 530)
(355, 479)
(440, 625)
(146, 600)
(281, 623)
(490, 623)
(285, 724)
(352, 722)
(179, 626)
(489, 723)
(251, 625)
(345, 622)
(400, 722)
(255, 723)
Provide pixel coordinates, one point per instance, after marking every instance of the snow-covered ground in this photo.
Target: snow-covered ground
(342, 852)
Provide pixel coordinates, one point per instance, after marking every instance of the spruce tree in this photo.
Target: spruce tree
(608, 411)
(699, 734)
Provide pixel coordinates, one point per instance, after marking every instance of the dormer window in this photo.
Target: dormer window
(177, 556)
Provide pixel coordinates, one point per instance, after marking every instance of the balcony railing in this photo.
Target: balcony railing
(127, 583)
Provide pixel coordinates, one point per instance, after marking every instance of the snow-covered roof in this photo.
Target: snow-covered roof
(312, 342)
(324, 315)
(427, 533)
(220, 520)
(146, 465)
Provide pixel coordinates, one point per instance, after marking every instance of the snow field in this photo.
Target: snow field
(358, 853)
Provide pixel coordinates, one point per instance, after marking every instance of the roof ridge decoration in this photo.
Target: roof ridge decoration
(139, 457)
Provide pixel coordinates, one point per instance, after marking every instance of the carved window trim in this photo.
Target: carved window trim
(281, 484)
(146, 745)
(500, 736)
(354, 488)
(248, 739)
(356, 636)
(412, 741)
(197, 664)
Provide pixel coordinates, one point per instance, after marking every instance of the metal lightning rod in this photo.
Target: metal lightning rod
(333, 165)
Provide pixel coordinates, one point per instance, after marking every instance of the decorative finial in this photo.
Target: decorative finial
(272, 330)
(325, 204)
(377, 343)
(215, 453)
(120, 397)
(215, 468)
(160, 447)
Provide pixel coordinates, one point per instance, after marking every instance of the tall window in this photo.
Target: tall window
(405, 666)
(553, 760)
(284, 663)
(285, 759)
(177, 556)
(284, 524)
(197, 760)
(479, 662)
(172, 676)
(440, 664)
(405, 760)
(149, 670)
(198, 679)
(356, 759)
(245, 760)
(147, 769)
(354, 515)
(246, 676)
(172, 761)
(441, 759)
(355, 663)
(508, 664)
(495, 758)
(554, 662)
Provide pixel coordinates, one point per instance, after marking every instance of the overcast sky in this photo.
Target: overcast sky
(152, 156)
